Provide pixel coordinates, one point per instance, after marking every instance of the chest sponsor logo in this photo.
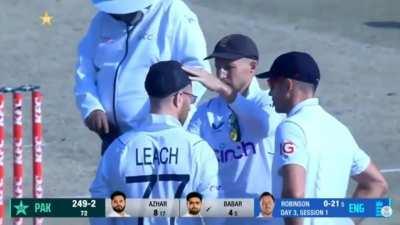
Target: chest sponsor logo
(243, 149)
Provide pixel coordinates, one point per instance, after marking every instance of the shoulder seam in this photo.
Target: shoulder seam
(198, 142)
(119, 139)
(298, 125)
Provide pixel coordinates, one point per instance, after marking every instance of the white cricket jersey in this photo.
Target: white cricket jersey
(159, 160)
(314, 139)
(104, 81)
(244, 166)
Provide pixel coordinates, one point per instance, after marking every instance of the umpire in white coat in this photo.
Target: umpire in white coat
(124, 39)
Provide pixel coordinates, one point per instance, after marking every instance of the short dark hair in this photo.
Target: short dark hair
(118, 193)
(194, 195)
(267, 194)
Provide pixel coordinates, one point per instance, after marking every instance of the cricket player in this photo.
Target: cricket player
(160, 159)
(240, 122)
(267, 204)
(194, 202)
(315, 154)
(118, 204)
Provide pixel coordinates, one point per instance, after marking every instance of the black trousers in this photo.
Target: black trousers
(107, 139)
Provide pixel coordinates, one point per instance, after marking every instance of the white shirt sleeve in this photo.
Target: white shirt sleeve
(360, 161)
(290, 145)
(100, 187)
(108, 177)
(206, 170)
(189, 46)
(85, 90)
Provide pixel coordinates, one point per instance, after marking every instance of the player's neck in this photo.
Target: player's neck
(245, 90)
(122, 213)
(163, 111)
(266, 215)
(295, 100)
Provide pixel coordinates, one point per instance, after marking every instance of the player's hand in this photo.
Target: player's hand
(97, 122)
(211, 82)
(208, 80)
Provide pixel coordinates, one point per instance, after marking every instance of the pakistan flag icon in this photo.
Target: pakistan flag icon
(21, 209)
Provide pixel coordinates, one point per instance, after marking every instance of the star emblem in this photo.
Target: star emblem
(46, 19)
(21, 208)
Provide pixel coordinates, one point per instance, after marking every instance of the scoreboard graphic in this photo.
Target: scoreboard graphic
(88, 207)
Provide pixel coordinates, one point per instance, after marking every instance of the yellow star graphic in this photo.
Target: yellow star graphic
(46, 19)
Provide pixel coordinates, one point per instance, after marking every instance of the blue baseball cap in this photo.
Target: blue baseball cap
(121, 6)
(294, 65)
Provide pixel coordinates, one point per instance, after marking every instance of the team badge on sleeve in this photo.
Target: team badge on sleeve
(288, 148)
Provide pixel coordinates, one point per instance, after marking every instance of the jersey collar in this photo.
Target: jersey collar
(160, 121)
(145, 11)
(307, 102)
(253, 89)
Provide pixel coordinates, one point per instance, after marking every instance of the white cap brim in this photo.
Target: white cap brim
(121, 6)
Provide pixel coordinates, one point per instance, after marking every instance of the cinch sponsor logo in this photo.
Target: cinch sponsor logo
(244, 149)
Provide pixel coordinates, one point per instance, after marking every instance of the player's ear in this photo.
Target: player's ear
(288, 84)
(288, 87)
(253, 66)
(177, 100)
